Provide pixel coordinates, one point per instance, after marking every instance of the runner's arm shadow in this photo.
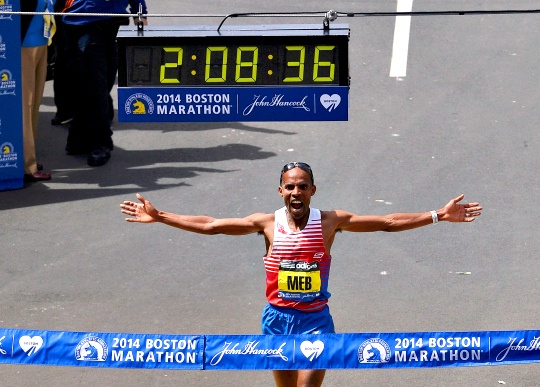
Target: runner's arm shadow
(167, 127)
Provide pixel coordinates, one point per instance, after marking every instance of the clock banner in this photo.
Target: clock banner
(233, 104)
(260, 352)
(11, 142)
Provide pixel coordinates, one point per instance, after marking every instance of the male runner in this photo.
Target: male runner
(297, 261)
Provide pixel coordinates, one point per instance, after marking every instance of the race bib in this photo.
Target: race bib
(299, 280)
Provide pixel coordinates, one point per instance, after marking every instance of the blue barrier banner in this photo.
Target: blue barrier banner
(261, 352)
(233, 104)
(11, 142)
(114, 350)
(372, 350)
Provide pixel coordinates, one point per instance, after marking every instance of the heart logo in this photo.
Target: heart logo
(330, 102)
(30, 345)
(312, 350)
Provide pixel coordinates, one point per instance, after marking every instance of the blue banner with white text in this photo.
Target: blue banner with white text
(11, 138)
(262, 352)
(233, 104)
(111, 350)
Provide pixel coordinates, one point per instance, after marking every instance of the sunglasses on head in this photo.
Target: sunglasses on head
(303, 166)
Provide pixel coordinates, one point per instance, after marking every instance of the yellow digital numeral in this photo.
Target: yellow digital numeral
(209, 65)
(240, 63)
(299, 63)
(171, 65)
(317, 63)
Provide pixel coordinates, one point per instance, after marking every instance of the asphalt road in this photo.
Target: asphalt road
(464, 119)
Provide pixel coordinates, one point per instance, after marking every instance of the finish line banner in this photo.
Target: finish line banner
(112, 350)
(261, 352)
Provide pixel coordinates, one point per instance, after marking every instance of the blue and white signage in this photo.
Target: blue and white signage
(262, 352)
(85, 349)
(233, 104)
(372, 350)
(11, 142)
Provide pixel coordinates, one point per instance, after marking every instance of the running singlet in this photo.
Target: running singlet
(298, 267)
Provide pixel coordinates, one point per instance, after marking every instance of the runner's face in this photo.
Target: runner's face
(297, 190)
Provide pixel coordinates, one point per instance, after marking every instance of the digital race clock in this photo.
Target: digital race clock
(239, 73)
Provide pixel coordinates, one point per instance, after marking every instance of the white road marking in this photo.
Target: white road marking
(400, 49)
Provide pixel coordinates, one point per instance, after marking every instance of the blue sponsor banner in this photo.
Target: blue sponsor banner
(274, 352)
(11, 142)
(233, 104)
(372, 350)
(262, 352)
(112, 350)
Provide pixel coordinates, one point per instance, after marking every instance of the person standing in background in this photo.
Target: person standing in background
(63, 96)
(92, 48)
(36, 34)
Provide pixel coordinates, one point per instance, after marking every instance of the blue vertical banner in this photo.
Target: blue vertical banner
(11, 138)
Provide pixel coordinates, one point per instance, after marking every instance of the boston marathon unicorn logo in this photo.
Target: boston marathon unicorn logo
(139, 107)
(91, 349)
(7, 148)
(7, 82)
(5, 76)
(8, 156)
(374, 351)
(139, 103)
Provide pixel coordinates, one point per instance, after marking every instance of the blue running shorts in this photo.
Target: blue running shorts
(287, 321)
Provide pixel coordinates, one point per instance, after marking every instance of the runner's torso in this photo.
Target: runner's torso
(298, 267)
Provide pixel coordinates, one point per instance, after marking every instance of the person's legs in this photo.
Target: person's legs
(28, 59)
(78, 141)
(302, 378)
(100, 58)
(286, 378)
(64, 77)
(34, 70)
(90, 131)
(96, 70)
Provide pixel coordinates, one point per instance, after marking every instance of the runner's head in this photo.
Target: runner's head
(296, 186)
(295, 164)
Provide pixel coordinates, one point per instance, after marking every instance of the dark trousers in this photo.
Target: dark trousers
(63, 77)
(94, 63)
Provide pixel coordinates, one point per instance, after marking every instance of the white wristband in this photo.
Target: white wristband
(434, 217)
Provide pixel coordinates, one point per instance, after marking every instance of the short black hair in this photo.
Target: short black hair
(294, 164)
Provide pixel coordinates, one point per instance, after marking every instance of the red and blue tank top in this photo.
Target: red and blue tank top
(298, 267)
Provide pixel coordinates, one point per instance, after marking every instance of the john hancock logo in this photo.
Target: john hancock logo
(276, 101)
(519, 347)
(139, 104)
(374, 351)
(91, 348)
(251, 348)
(2, 350)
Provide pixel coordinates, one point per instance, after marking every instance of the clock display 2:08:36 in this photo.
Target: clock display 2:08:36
(233, 65)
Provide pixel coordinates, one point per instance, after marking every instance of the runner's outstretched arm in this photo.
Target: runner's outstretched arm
(145, 212)
(453, 211)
